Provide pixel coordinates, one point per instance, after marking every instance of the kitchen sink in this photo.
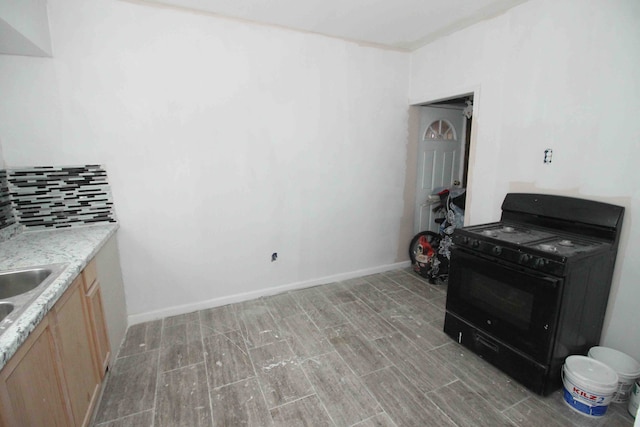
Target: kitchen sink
(20, 287)
(18, 282)
(5, 309)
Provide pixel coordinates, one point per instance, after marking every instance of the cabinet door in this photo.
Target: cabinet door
(99, 328)
(74, 341)
(31, 391)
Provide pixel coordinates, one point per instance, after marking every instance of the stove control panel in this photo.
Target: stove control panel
(510, 254)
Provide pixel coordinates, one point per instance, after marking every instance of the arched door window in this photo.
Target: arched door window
(440, 130)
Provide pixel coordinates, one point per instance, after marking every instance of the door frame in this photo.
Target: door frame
(475, 92)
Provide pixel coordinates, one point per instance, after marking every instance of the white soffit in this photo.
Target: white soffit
(395, 24)
(24, 28)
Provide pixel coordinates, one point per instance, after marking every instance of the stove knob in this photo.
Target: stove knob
(475, 243)
(540, 262)
(497, 250)
(465, 240)
(524, 258)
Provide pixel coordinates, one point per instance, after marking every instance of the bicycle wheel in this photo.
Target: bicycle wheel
(432, 238)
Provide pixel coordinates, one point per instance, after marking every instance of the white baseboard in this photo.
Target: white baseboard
(230, 299)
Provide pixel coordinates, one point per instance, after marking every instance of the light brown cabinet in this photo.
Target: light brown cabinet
(31, 384)
(97, 322)
(54, 378)
(74, 341)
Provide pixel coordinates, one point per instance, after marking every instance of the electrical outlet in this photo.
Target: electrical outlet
(274, 256)
(548, 153)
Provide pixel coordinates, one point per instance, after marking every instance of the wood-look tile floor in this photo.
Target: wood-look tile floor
(363, 352)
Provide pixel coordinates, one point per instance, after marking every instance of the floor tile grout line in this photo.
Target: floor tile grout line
(416, 345)
(380, 290)
(378, 370)
(235, 382)
(235, 345)
(255, 373)
(146, 349)
(294, 401)
(426, 395)
(374, 314)
(403, 384)
(502, 412)
(397, 331)
(275, 322)
(374, 416)
(316, 324)
(306, 359)
(408, 380)
(107, 379)
(401, 304)
(415, 293)
(121, 418)
(513, 405)
(190, 365)
(206, 366)
(360, 380)
(564, 417)
(295, 301)
(158, 375)
(480, 396)
(304, 372)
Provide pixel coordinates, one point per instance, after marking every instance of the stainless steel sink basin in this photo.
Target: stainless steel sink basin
(18, 282)
(20, 287)
(5, 309)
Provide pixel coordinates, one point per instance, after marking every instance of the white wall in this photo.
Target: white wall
(561, 75)
(224, 142)
(24, 28)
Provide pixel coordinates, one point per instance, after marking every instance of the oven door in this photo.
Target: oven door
(515, 306)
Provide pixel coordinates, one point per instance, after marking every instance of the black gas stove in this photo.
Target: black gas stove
(544, 250)
(526, 292)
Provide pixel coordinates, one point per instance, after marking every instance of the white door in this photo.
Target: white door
(440, 148)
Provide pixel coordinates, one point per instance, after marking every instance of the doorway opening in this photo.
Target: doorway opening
(444, 140)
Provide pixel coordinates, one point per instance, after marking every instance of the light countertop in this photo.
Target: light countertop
(74, 246)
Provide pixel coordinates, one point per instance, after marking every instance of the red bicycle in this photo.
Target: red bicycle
(429, 251)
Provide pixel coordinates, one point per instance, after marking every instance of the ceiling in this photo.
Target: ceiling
(395, 24)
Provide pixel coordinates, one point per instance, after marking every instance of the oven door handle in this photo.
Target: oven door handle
(551, 282)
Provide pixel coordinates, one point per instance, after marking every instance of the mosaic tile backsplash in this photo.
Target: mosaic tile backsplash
(6, 211)
(55, 197)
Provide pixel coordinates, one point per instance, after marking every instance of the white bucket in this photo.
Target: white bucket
(634, 399)
(627, 368)
(588, 385)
